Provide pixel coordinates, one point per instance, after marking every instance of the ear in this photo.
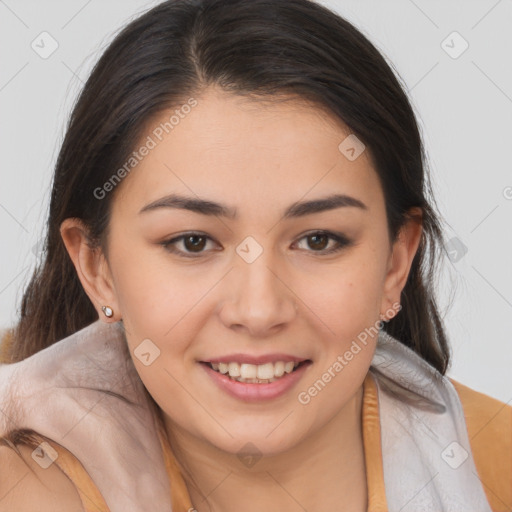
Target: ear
(402, 255)
(91, 266)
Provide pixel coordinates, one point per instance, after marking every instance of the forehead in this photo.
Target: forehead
(254, 153)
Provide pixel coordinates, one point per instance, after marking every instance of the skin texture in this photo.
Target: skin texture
(294, 298)
(24, 485)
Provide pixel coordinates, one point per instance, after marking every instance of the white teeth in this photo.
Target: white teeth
(288, 367)
(252, 373)
(279, 369)
(265, 371)
(248, 371)
(234, 370)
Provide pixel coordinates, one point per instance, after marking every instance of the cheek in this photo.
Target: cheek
(347, 325)
(159, 317)
(347, 298)
(153, 294)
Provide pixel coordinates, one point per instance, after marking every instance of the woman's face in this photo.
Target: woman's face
(254, 285)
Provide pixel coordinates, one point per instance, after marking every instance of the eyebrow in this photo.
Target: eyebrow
(297, 209)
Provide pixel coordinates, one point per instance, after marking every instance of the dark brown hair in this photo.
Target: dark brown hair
(254, 48)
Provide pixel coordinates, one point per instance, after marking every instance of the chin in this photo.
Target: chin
(257, 442)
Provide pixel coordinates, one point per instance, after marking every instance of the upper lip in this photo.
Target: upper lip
(256, 360)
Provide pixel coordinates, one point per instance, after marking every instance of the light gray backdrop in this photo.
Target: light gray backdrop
(455, 58)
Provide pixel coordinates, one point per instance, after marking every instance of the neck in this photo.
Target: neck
(322, 472)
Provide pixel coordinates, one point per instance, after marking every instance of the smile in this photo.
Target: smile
(256, 382)
(255, 374)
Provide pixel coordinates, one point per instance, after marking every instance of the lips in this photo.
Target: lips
(254, 389)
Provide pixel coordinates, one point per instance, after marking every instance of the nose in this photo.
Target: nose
(262, 302)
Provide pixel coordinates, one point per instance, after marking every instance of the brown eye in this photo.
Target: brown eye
(318, 241)
(187, 245)
(194, 243)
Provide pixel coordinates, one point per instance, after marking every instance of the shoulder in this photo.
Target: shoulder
(26, 485)
(489, 426)
(484, 414)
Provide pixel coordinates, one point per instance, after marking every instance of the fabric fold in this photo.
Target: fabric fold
(427, 459)
(84, 393)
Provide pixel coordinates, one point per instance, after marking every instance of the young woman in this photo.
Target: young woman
(235, 309)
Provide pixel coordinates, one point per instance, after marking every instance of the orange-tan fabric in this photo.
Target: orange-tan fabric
(489, 425)
(5, 344)
(92, 501)
(372, 447)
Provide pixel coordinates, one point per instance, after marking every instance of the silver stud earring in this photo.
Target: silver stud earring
(109, 313)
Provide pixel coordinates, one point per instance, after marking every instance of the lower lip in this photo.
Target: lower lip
(256, 392)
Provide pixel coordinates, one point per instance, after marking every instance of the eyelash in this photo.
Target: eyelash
(341, 240)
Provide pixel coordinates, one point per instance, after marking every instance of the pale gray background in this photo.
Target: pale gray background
(464, 106)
